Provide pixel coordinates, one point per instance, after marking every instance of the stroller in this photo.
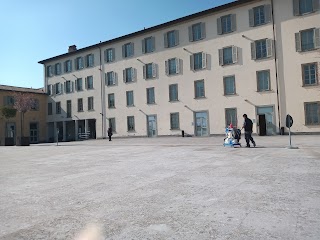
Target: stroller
(233, 137)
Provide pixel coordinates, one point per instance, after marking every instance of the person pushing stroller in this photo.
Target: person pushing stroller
(247, 126)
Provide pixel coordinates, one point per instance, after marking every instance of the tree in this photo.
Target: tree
(23, 102)
(8, 112)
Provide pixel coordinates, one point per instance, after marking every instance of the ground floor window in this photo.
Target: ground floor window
(312, 113)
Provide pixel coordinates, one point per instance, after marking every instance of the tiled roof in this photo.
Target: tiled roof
(21, 89)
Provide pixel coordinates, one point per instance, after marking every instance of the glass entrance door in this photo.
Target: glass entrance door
(33, 132)
(152, 125)
(201, 124)
(268, 112)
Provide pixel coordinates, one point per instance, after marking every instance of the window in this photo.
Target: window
(309, 74)
(172, 66)
(89, 82)
(49, 71)
(110, 78)
(79, 63)
(127, 50)
(263, 81)
(307, 40)
(148, 45)
(80, 105)
(35, 105)
(129, 95)
(150, 96)
(262, 49)
(229, 85)
(231, 117)
(130, 123)
(312, 113)
(58, 107)
(90, 104)
(50, 108)
(111, 102)
(149, 71)
(9, 100)
(174, 121)
(226, 24)
(90, 60)
(68, 86)
(109, 55)
(69, 108)
(129, 75)
(197, 32)
(228, 55)
(58, 88)
(67, 66)
(112, 124)
(199, 89)
(260, 15)
(57, 68)
(301, 7)
(171, 39)
(79, 84)
(198, 61)
(173, 92)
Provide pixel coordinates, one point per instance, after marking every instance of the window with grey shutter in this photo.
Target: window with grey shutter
(220, 57)
(233, 22)
(267, 13)
(204, 60)
(166, 64)
(143, 45)
(177, 65)
(234, 54)
(253, 51)
(154, 70)
(315, 5)
(203, 30)
(219, 25)
(251, 18)
(192, 62)
(134, 74)
(190, 34)
(269, 47)
(176, 37)
(296, 11)
(165, 37)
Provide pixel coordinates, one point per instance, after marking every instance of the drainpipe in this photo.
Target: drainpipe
(276, 65)
(103, 112)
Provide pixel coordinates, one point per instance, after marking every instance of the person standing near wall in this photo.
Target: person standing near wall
(110, 133)
(247, 126)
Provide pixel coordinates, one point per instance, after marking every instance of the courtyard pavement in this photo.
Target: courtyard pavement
(162, 188)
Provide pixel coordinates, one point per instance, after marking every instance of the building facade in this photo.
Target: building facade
(34, 124)
(198, 74)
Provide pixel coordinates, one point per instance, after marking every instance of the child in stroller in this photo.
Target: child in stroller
(233, 137)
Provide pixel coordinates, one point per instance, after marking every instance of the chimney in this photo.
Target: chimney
(72, 48)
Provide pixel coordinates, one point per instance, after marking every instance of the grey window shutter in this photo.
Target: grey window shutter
(51, 89)
(165, 38)
(203, 30)
(85, 83)
(166, 63)
(154, 70)
(316, 5)
(132, 49)
(153, 42)
(296, 10)
(269, 47)
(124, 76)
(105, 55)
(86, 61)
(144, 72)
(316, 34)
(298, 41)
(64, 87)
(251, 18)
(233, 22)
(234, 54)
(133, 73)
(177, 65)
(143, 42)
(192, 62)
(75, 64)
(113, 54)
(61, 88)
(72, 86)
(123, 51)
(221, 57)
(267, 13)
(204, 60)
(76, 84)
(219, 25)
(115, 76)
(190, 34)
(92, 60)
(253, 51)
(176, 37)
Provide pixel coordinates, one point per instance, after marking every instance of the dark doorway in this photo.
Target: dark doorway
(262, 125)
(92, 128)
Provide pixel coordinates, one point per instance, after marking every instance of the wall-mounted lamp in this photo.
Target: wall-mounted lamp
(75, 76)
(140, 61)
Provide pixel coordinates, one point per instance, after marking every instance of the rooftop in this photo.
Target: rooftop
(21, 89)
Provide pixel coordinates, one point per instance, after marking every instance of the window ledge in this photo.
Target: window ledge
(131, 131)
(90, 88)
(130, 82)
(130, 106)
(199, 70)
(80, 111)
(311, 85)
(174, 101)
(231, 95)
(265, 91)
(148, 79)
(227, 64)
(90, 110)
(111, 107)
(200, 98)
(111, 85)
(151, 103)
(308, 50)
(175, 129)
(261, 24)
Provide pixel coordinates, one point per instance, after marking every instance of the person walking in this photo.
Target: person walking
(247, 126)
(110, 133)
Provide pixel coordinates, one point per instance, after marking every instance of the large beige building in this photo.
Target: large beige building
(198, 73)
(34, 124)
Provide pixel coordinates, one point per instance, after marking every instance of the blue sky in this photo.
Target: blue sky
(34, 30)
